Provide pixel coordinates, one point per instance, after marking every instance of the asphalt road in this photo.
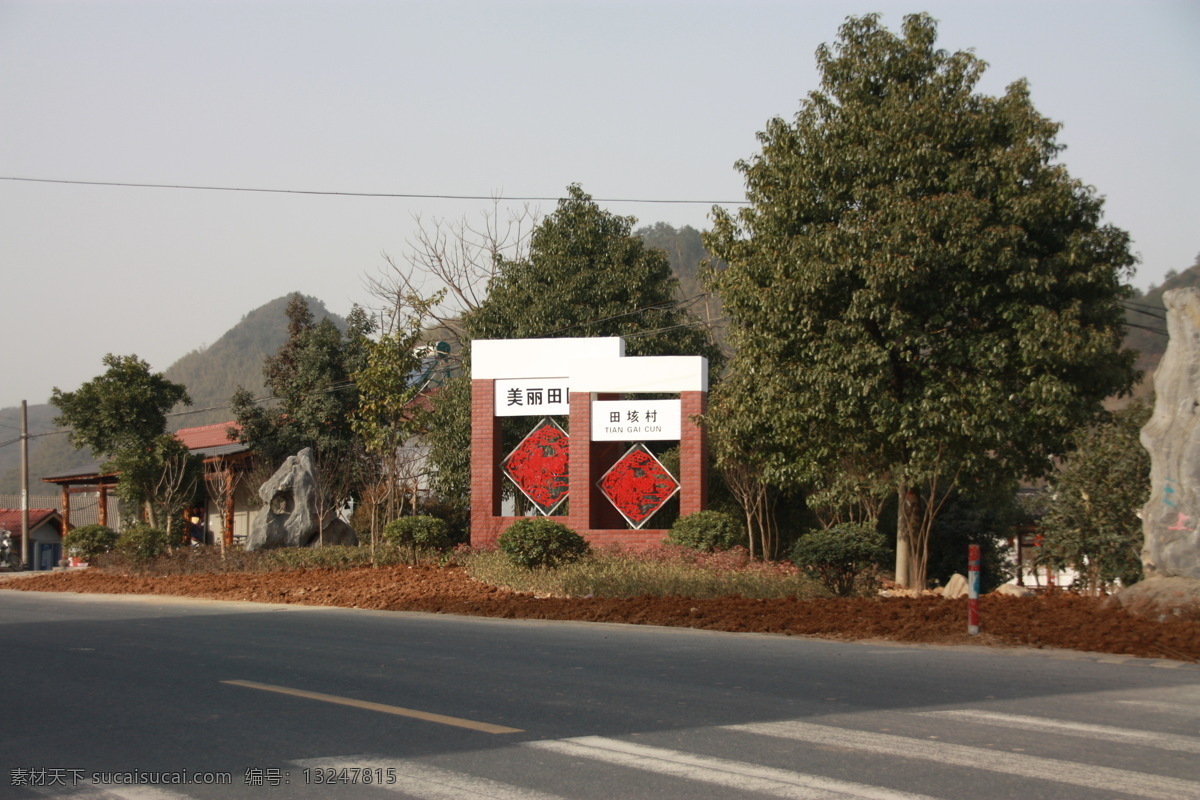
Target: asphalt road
(155, 698)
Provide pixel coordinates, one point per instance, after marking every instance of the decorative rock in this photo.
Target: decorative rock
(289, 517)
(1160, 598)
(956, 587)
(1012, 590)
(1171, 518)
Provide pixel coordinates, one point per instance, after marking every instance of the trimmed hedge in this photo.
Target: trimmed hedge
(140, 543)
(88, 541)
(537, 542)
(707, 531)
(417, 534)
(839, 555)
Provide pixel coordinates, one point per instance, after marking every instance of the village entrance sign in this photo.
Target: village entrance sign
(597, 476)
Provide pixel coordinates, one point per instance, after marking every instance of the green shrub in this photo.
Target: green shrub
(839, 555)
(88, 541)
(539, 542)
(140, 543)
(414, 535)
(707, 531)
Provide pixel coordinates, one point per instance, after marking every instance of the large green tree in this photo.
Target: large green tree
(586, 274)
(125, 407)
(122, 416)
(916, 285)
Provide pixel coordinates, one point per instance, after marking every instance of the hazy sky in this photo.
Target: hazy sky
(646, 100)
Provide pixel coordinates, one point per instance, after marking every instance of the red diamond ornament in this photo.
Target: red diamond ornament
(538, 466)
(638, 485)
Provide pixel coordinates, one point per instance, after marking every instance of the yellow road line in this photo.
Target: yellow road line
(441, 719)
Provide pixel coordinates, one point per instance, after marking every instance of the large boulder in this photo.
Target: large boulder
(1171, 518)
(289, 517)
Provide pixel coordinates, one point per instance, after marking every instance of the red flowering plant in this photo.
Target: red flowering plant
(638, 485)
(538, 466)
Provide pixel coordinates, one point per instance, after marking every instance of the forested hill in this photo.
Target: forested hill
(687, 254)
(211, 375)
(1145, 317)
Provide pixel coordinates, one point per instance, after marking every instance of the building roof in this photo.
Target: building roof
(206, 441)
(10, 518)
(212, 441)
(208, 435)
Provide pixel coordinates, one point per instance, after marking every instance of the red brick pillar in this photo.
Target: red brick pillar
(693, 455)
(579, 478)
(486, 444)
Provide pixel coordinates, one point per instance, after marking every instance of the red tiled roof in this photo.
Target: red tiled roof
(207, 435)
(10, 518)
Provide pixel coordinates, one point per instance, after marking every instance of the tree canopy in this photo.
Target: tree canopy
(125, 407)
(587, 274)
(916, 285)
(310, 379)
(122, 414)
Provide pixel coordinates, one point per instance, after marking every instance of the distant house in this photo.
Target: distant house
(230, 500)
(46, 528)
(230, 504)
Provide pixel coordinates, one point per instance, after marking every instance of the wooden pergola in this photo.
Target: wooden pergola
(83, 480)
(225, 460)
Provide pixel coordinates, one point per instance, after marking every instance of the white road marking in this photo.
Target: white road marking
(430, 783)
(1162, 741)
(110, 792)
(1172, 708)
(1091, 776)
(722, 772)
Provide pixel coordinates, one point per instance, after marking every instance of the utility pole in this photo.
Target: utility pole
(26, 545)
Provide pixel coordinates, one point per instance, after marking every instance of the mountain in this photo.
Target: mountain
(211, 375)
(1145, 317)
(687, 254)
(236, 359)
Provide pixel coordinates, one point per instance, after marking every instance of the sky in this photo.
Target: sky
(647, 100)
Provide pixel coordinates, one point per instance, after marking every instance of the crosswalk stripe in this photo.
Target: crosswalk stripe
(1049, 769)
(1181, 708)
(1163, 741)
(719, 771)
(430, 783)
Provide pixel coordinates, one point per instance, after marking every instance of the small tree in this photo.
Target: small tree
(385, 419)
(1092, 524)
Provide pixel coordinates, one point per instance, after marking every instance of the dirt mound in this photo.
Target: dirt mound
(1058, 621)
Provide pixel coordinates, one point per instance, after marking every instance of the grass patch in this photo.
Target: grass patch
(668, 571)
(210, 561)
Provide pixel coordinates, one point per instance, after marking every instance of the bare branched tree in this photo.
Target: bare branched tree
(222, 478)
(449, 266)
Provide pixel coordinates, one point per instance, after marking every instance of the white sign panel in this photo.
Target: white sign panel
(532, 397)
(636, 420)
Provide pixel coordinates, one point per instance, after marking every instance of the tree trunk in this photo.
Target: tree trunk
(903, 537)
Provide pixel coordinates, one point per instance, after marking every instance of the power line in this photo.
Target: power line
(326, 193)
(1158, 331)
